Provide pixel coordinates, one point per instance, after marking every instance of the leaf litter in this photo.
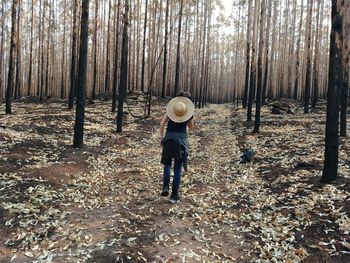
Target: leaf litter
(264, 211)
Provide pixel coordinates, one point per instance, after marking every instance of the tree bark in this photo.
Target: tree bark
(263, 98)
(330, 168)
(308, 62)
(247, 71)
(252, 81)
(177, 69)
(63, 80)
(297, 64)
(316, 58)
(2, 49)
(80, 104)
(123, 70)
(260, 69)
(10, 80)
(116, 63)
(165, 50)
(144, 49)
(107, 50)
(73, 58)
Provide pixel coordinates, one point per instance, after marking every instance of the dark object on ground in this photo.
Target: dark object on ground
(281, 107)
(247, 156)
(303, 165)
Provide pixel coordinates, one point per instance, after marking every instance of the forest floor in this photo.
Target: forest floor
(101, 204)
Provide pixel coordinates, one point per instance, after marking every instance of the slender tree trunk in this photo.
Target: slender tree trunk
(330, 168)
(123, 70)
(297, 64)
(2, 49)
(73, 58)
(42, 52)
(247, 71)
(144, 49)
(202, 80)
(63, 79)
(107, 50)
(260, 69)
(263, 99)
(177, 69)
(80, 105)
(47, 55)
(290, 54)
(39, 49)
(10, 80)
(116, 63)
(253, 66)
(94, 84)
(165, 50)
(316, 58)
(18, 83)
(308, 62)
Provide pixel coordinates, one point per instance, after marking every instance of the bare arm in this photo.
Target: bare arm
(162, 124)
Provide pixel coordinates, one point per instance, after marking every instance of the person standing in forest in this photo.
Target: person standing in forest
(179, 115)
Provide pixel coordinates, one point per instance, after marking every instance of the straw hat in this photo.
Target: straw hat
(180, 109)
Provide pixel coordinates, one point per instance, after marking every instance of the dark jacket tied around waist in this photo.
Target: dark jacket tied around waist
(175, 146)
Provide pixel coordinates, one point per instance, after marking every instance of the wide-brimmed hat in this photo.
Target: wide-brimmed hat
(180, 109)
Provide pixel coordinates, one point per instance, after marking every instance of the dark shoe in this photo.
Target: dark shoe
(164, 193)
(174, 199)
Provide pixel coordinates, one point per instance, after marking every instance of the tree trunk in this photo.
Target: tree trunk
(247, 71)
(18, 83)
(80, 107)
(123, 70)
(107, 50)
(260, 65)
(47, 55)
(308, 62)
(252, 81)
(177, 69)
(316, 58)
(73, 58)
(42, 53)
(263, 99)
(10, 80)
(165, 49)
(2, 49)
(144, 49)
(94, 84)
(297, 64)
(330, 168)
(63, 80)
(116, 63)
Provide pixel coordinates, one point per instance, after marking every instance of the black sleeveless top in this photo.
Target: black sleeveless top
(177, 127)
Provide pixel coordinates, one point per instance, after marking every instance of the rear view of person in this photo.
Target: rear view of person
(179, 115)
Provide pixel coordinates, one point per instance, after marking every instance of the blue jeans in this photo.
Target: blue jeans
(177, 177)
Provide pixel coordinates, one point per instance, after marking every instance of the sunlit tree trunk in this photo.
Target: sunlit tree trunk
(73, 58)
(247, 71)
(13, 44)
(308, 61)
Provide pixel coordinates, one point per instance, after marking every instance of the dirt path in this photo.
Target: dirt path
(102, 203)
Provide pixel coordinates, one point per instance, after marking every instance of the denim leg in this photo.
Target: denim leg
(177, 177)
(166, 177)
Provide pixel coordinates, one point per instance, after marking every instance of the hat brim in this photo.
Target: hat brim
(189, 109)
